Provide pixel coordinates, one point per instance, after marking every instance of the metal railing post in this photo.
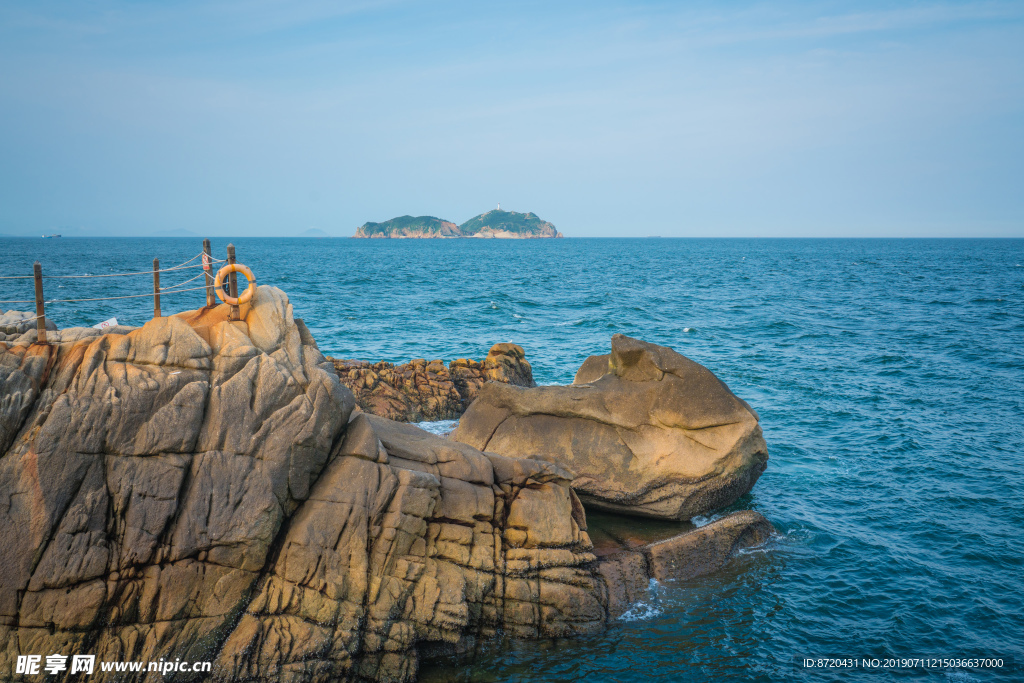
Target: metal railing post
(40, 310)
(156, 288)
(207, 265)
(233, 283)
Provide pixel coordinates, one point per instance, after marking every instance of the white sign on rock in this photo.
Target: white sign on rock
(110, 322)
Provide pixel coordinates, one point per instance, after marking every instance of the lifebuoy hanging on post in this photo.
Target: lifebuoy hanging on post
(218, 284)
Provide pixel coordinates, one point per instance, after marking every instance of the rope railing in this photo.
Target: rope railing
(180, 266)
(207, 261)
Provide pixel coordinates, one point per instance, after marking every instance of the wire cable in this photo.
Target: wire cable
(181, 266)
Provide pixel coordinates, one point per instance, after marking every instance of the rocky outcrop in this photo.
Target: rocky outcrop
(646, 430)
(416, 391)
(146, 478)
(505, 363)
(423, 390)
(200, 489)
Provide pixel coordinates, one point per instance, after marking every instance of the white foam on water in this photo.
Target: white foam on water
(645, 609)
(439, 427)
(959, 677)
(704, 520)
(641, 611)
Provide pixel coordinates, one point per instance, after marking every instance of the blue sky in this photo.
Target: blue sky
(608, 119)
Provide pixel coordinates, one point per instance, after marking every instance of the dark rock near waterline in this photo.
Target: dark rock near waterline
(685, 556)
(423, 390)
(655, 434)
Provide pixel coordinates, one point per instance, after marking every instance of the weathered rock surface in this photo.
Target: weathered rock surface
(423, 390)
(201, 489)
(416, 391)
(18, 322)
(646, 430)
(505, 363)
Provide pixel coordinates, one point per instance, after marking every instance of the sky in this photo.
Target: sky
(609, 119)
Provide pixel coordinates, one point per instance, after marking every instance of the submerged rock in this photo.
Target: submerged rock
(646, 430)
(202, 489)
(422, 390)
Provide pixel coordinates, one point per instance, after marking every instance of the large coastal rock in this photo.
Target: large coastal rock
(200, 489)
(423, 390)
(646, 431)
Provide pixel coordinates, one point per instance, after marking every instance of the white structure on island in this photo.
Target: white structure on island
(499, 206)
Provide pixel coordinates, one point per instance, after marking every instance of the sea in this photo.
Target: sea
(888, 375)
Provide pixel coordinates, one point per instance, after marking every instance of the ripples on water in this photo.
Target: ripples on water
(889, 376)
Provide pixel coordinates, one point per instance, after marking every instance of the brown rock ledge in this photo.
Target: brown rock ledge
(423, 390)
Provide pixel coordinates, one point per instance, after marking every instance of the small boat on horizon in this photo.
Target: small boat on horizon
(49, 237)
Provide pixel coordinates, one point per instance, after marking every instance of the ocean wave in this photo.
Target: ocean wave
(650, 608)
(439, 427)
(704, 520)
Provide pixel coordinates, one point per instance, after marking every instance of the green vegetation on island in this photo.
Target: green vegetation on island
(493, 224)
(410, 226)
(508, 224)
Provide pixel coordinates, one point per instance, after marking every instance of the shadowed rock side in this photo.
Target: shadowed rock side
(646, 430)
(423, 390)
(200, 489)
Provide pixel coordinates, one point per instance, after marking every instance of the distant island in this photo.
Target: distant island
(493, 224)
(416, 227)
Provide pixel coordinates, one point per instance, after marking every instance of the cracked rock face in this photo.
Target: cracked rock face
(645, 430)
(146, 477)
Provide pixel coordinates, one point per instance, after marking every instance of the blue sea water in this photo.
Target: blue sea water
(888, 374)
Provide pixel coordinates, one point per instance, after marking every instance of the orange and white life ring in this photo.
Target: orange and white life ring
(218, 284)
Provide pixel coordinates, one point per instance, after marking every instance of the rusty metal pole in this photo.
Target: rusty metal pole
(40, 310)
(207, 261)
(233, 282)
(156, 288)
